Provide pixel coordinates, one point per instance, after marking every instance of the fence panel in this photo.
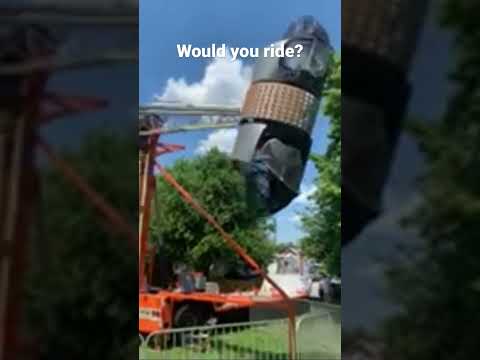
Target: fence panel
(261, 340)
(318, 337)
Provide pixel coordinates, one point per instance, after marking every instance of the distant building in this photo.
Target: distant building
(289, 261)
(290, 272)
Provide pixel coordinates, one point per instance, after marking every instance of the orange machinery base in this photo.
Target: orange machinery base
(156, 310)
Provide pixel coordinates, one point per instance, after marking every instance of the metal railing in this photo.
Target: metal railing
(262, 340)
(318, 337)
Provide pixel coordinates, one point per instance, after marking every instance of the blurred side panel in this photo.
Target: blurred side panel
(410, 267)
(68, 179)
(379, 39)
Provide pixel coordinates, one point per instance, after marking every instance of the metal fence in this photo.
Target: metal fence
(318, 337)
(241, 341)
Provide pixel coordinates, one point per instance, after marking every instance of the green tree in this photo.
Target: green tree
(439, 290)
(219, 188)
(280, 247)
(82, 289)
(322, 220)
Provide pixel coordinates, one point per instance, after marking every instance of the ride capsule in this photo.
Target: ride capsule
(279, 113)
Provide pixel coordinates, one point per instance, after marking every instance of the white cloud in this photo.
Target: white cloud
(224, 82)
(223, 140)
(296, 219)
(305, 192)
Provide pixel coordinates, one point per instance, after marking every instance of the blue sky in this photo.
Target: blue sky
(249, 23)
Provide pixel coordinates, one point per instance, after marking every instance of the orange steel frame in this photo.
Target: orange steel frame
(163, 301)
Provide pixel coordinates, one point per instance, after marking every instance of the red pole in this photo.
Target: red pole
(146, 191)
(19, 193)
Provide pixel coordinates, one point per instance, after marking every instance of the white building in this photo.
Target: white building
(290, 271)
(289, 261)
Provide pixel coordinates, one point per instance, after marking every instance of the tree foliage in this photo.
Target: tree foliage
(82, 289)
(322, 220)
(219, 187)
(440, 288)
